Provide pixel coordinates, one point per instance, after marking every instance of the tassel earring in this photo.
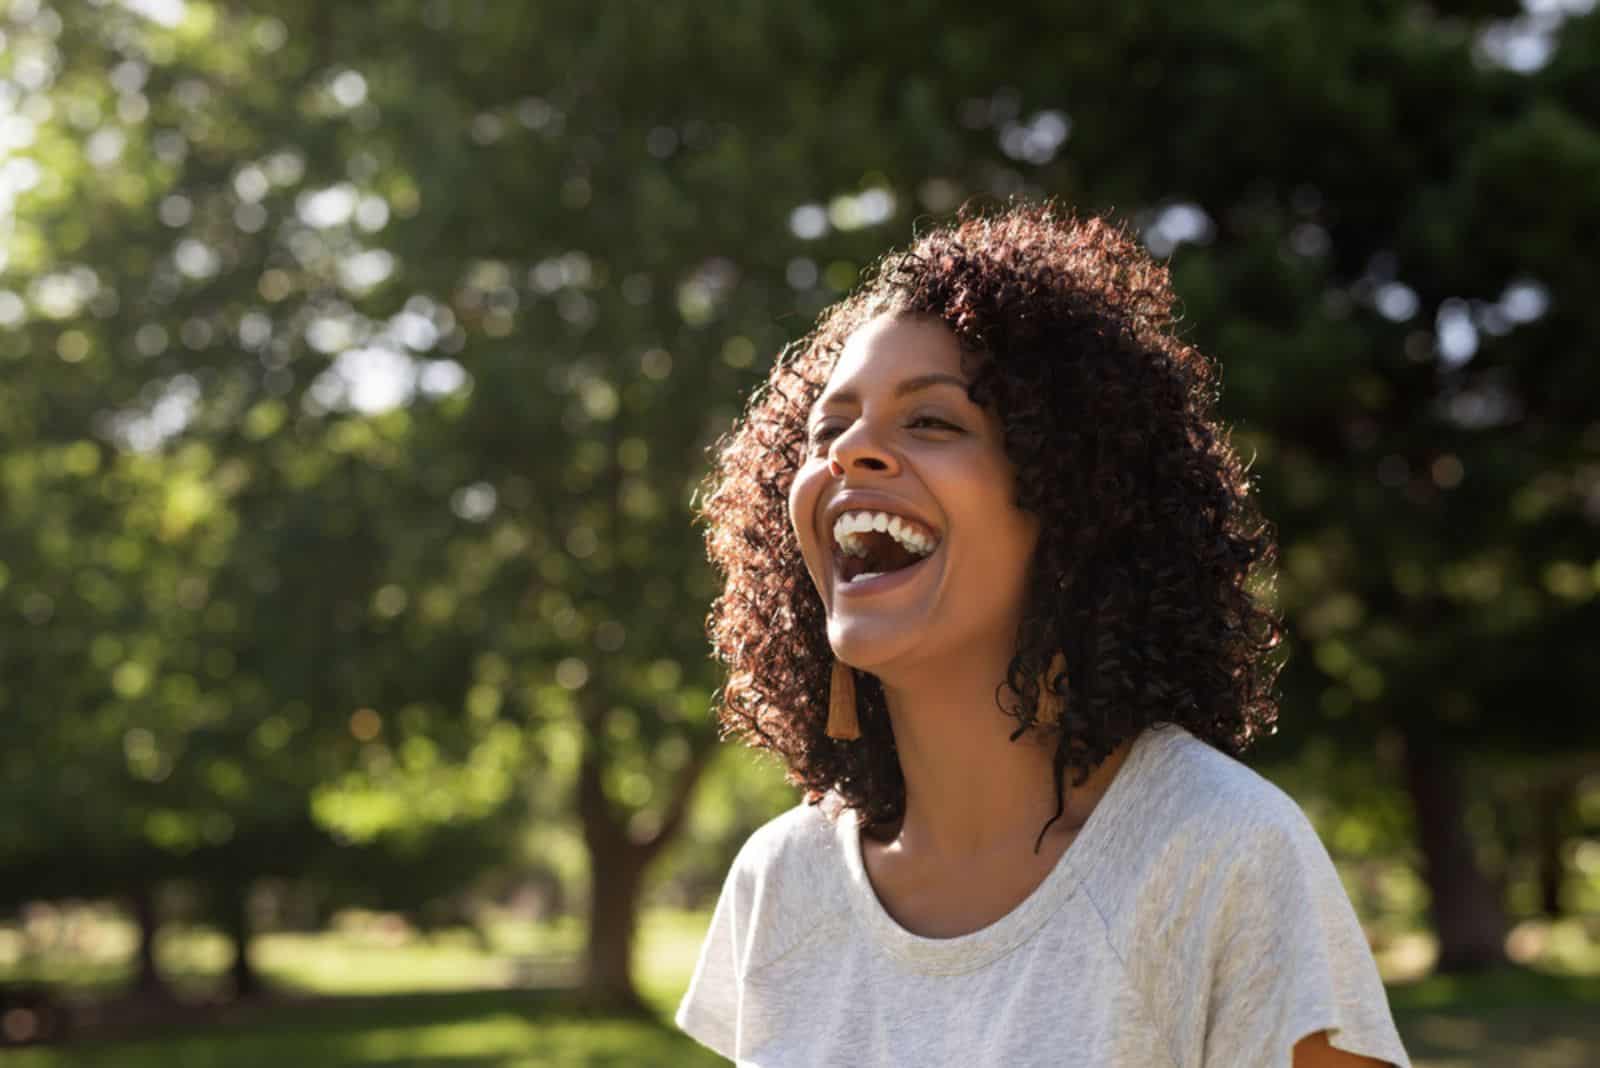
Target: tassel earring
(1051, 704)
(842, 721)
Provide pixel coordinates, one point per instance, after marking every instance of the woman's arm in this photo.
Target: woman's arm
(1313, 1051)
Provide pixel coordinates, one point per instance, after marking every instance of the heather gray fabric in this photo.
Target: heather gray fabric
(1196, 922)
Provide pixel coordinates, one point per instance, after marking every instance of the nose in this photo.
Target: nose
(854, 448)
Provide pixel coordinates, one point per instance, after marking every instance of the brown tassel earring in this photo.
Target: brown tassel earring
(842, 722)
(1051, 704)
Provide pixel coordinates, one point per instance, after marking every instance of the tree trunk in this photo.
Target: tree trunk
(236, 919)
(1468, 916)
(148, 981)
(613, 922)
(618, 861)
(1555, 800)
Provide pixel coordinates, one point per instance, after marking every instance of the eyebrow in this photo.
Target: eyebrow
(910, 385)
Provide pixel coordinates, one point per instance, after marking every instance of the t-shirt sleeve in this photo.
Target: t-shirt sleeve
(709, 1010)
(1291, 958)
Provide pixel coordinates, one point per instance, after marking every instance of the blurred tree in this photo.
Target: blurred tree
(401, 333)
(207, 685)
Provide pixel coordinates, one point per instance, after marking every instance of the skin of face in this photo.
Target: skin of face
(947, 636)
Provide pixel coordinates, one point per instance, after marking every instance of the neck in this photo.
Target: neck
(971, 792)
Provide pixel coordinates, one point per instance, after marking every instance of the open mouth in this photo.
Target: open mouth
(885, 565)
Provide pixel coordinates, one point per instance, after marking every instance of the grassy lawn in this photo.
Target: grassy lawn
(1522, 1019)
(504, 1029)
(378, 997)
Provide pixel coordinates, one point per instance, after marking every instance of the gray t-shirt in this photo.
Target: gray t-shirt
(1197, 921)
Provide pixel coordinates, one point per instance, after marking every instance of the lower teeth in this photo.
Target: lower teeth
(867, 575)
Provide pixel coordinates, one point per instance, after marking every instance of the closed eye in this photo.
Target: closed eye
(824, 433)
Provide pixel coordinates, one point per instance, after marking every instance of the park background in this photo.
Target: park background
(358, 368)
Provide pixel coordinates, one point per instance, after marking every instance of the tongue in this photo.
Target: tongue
(884, 554)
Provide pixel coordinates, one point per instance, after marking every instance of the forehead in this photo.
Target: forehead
(887, 351)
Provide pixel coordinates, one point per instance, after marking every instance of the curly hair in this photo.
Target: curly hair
(1149, 533)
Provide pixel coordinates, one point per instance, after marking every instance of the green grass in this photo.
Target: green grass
(1517, 1017)
(395, 1006)
(385, 1001)
(92, 949)
(503, 1029)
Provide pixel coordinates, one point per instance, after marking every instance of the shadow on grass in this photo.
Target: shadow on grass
(469, 1029)
(1513, 1016)
(1494, 989)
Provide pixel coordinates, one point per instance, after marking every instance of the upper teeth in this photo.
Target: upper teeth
(913, 537)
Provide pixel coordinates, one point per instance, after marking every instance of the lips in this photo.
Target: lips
(854, 500)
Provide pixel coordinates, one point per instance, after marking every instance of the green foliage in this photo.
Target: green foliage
(359, 362)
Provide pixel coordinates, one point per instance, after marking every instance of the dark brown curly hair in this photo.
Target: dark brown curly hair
(1149, 532)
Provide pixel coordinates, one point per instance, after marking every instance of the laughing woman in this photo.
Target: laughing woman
(991, 596)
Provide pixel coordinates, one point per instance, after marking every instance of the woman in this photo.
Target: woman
(1002, 426)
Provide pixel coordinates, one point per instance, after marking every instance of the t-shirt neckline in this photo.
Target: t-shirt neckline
(963, 953)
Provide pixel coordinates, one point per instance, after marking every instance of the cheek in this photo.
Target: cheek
(803, 496)
(1019, 527)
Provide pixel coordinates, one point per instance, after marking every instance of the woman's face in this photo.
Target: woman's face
(931, 455)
